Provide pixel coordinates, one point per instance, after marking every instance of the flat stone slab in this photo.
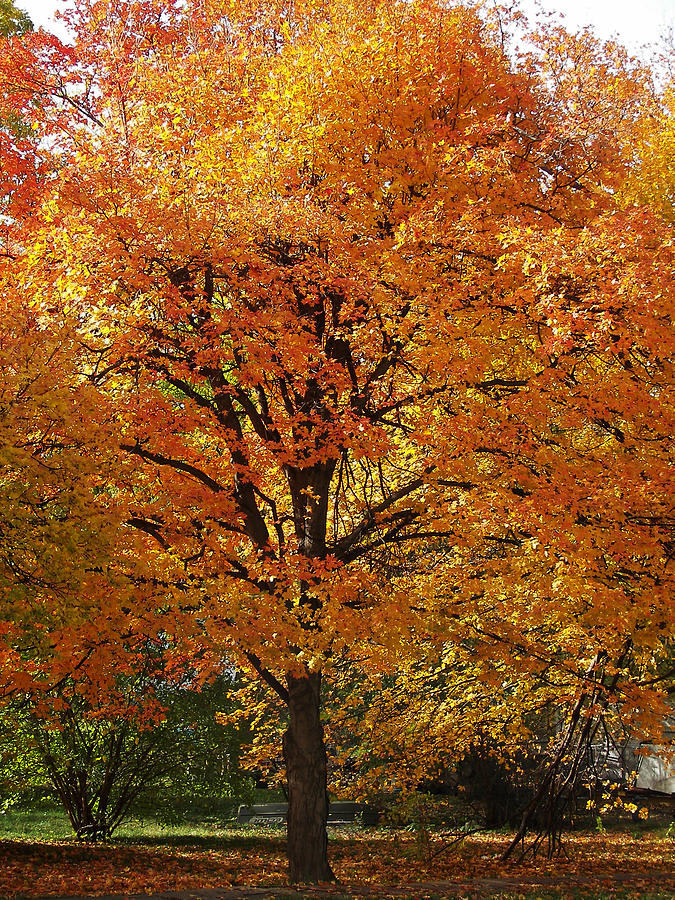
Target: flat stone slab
(342, 812)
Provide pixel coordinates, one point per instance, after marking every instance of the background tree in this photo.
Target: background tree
(149, 743)
(388, 362)
(13, 20)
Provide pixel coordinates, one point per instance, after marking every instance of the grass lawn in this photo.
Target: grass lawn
(39, 857)
(49, 822)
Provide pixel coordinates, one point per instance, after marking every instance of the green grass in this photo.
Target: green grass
(195, 822)
(48, 822)
(40, 823)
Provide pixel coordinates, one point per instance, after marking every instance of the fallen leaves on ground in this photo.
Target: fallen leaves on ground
(604, 862)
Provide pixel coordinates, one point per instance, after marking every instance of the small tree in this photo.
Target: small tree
(157, 742)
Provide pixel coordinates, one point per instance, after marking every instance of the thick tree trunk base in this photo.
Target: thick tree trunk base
(305, 757)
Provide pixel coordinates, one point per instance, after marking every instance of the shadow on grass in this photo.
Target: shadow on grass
(229, 841)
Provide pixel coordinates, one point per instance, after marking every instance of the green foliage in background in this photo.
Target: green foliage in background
(13, 20)
(105, 768)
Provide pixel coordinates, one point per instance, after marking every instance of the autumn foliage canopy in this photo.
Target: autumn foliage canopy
(364, 322)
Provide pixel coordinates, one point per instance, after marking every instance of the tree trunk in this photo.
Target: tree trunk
(305, 757)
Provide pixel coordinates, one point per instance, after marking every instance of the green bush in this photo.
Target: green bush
(104, 767)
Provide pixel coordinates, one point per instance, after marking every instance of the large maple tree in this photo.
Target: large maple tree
(387, 354)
